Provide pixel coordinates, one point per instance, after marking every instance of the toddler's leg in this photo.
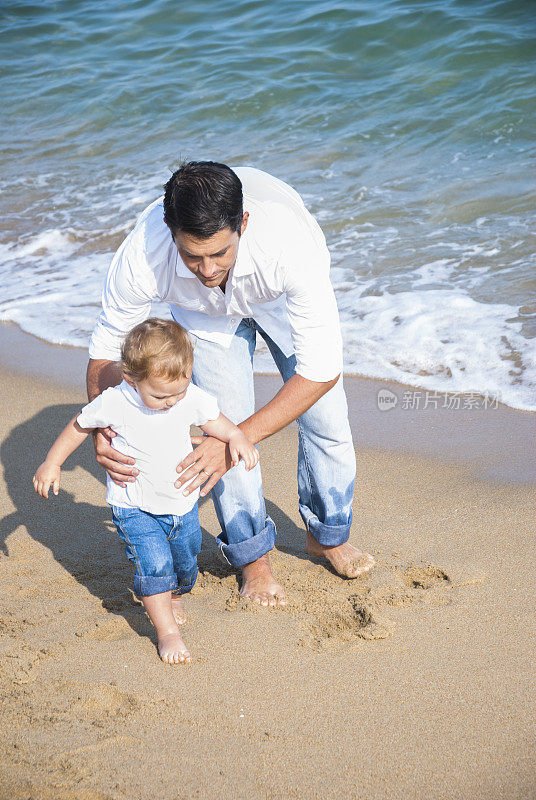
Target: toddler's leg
(171, 646)
(185, 543)
(177, 607)
(148, 548)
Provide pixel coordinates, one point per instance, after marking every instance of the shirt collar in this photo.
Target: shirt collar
(133, 397)
(244, 263)
(180, 267)
(130, 393)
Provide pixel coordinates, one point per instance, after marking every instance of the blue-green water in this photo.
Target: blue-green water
(408, 128)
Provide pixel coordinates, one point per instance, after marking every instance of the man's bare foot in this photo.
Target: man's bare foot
(178, 610)
(345, 559)
(172, 649)
(258, 584)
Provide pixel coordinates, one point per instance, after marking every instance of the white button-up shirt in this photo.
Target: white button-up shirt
(280, 279)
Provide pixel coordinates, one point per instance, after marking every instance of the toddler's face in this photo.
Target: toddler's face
(160, 394)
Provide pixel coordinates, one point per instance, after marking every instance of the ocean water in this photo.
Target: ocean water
(407, 127)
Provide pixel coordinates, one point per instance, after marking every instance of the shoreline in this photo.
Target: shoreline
(494, 443)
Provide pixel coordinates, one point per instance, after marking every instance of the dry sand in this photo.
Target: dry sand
(414, 681)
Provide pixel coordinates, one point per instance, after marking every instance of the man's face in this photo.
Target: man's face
(210, 259)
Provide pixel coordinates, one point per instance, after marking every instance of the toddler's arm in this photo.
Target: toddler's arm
(49, 472)
(239, 445)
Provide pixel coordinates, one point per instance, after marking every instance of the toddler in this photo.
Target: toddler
(151, 412)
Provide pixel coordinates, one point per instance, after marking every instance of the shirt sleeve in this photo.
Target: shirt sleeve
(130, 286)
(311, 305)
(103, 411)
(205, 406)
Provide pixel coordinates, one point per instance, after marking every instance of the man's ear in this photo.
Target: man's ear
(244, 222)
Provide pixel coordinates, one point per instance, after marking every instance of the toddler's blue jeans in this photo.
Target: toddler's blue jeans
(163, 547)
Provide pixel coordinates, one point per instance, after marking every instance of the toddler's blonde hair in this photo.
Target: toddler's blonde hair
(157, 348)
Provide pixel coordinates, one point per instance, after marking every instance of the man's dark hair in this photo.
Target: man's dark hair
(202, 198)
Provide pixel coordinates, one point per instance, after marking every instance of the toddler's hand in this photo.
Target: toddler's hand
(241, 447)
(47, 475)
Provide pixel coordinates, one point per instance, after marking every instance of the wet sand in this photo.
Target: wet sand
(415, 680)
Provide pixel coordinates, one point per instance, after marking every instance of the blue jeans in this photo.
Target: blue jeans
(326, 456)
(163, 547)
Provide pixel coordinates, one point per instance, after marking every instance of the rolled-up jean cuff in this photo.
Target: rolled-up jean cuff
(183, 589)
(145, 585)
(240, 553)
(328, 535)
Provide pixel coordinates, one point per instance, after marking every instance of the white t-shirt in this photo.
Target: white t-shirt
(157, 440)
(280, 278)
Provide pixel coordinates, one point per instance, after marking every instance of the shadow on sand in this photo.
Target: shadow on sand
(81, 536)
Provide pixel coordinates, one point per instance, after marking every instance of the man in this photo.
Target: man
(236, 253)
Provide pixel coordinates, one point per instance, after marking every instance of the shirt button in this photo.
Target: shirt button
(233, 319)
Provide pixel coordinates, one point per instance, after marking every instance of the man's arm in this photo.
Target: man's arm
(294, 398)
(210, 457)
(102, 374)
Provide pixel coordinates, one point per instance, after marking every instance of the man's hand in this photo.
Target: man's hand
(211, 459)
(117, 465)
(208, 462)
(102, 374)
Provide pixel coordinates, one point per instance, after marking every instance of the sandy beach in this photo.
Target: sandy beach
(415, 680)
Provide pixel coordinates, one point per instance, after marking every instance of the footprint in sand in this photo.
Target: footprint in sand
(100, 701)
(79, 762)
(106, 630)
(370, 625)
(358, 616)
(356, 620)
(11, 625)
(425, 577)
(103, 700)
(27, 671)
(422, 584)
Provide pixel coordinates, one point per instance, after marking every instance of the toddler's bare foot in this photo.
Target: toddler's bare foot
(172, 649)
(258, 584)
(345, 559)
(178, 610)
